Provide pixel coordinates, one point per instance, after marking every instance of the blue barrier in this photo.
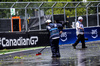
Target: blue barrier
(69, 35)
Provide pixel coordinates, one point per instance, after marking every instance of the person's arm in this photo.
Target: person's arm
(78, 26)
(60, 27)
(48, 28)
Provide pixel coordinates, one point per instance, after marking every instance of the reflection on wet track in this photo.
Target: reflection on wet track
(69, 57)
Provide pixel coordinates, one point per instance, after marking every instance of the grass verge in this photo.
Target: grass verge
(3, 51)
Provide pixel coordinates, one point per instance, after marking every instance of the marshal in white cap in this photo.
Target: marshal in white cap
(80, 18)
(48, 21)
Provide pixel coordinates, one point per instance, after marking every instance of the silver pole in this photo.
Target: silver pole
(26, 24)
(75, 15)
(11, 16)
(11, 22)
(87, 15)
(98, 14)
(64, 15)
(52, 16)
(39, 19)
(39, 16)
(52, 12)
(76, 11)
(65, 12)
(26, 20)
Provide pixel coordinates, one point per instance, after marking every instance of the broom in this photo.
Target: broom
(39, 53)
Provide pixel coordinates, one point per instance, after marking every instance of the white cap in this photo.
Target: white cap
(80, 18)
(48, 21)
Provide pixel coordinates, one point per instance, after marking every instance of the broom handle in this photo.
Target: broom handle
(43, 48)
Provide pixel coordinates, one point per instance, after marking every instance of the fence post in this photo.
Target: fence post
(52, 11)
(26, 24)
(40, 15)
(65, 12)
(98, 14)
(11, 16)
(76, 11)
(87, 13)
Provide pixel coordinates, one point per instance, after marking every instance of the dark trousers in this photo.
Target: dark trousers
(80, 38)
(55, 47)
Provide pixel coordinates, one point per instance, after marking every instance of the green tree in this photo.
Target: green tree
(48, 11)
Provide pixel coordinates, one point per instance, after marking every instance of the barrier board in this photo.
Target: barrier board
(23, 39)
(41, 38)
(69, 35)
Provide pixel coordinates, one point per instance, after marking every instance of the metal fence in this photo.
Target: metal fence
(34, 14)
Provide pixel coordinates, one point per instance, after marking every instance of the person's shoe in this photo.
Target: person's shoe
(53, 56)
(74, 46)
(57, 56)
(84, 47)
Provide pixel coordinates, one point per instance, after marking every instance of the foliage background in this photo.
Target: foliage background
(48, 11)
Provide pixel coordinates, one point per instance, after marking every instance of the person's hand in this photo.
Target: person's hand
(82, 28)
(60, 32)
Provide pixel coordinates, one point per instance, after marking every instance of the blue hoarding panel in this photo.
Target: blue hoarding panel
(93, 34)
(69, 35)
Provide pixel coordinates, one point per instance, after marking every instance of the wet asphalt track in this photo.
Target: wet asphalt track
(69, 57)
